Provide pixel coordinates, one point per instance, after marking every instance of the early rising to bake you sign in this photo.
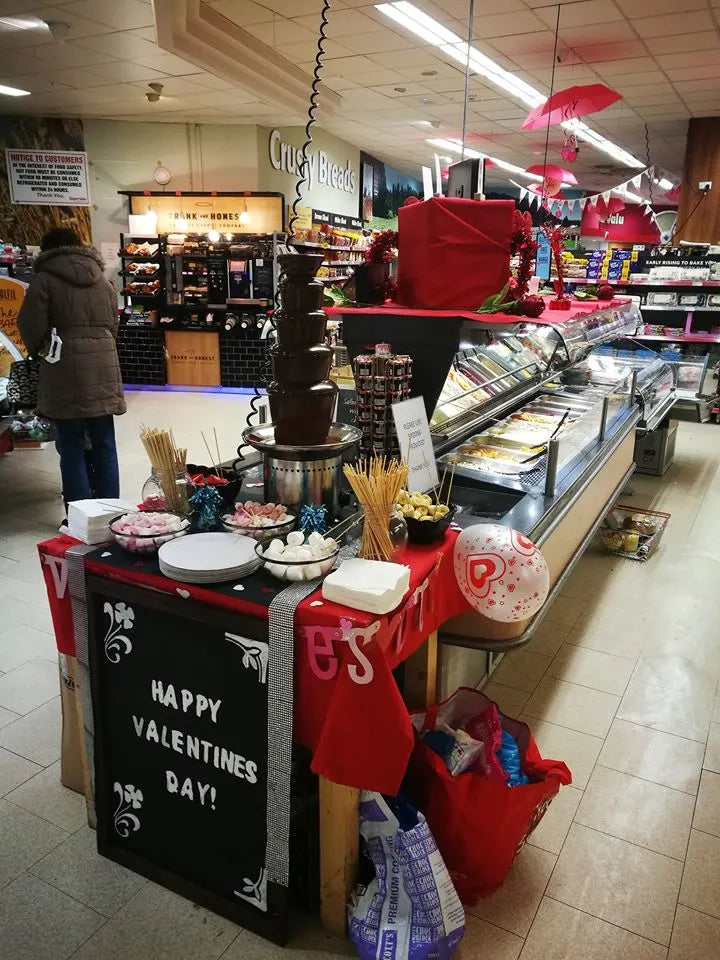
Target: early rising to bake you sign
(52, 177)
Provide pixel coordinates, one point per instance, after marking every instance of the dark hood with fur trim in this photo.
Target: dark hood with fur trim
(80, 266)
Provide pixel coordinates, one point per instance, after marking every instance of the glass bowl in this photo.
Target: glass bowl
(146, 543)
(298, 569)
(261, 534)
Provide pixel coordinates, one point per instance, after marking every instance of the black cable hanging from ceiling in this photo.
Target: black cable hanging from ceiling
(552, 91)
(302, 179)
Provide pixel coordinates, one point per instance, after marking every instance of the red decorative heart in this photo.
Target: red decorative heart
(511, 587)
(522, 544)
(481, 570)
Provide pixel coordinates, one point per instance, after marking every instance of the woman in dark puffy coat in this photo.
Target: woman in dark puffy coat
(82, 392)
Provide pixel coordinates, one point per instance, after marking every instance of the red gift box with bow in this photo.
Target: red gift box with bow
(453, 252)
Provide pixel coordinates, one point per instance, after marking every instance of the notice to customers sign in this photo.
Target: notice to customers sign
(58, 178)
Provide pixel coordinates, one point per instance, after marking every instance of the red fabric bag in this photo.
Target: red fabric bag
(480, 824)
(453, 252)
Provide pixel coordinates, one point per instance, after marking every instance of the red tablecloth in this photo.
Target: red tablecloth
(348, 709)
(549, 316)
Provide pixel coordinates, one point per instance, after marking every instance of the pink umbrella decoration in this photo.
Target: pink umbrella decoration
(570, 104)
(554, 172)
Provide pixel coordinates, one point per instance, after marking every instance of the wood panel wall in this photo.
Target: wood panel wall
(702, 162)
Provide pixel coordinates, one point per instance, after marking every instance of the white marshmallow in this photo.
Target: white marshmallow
(296, 538)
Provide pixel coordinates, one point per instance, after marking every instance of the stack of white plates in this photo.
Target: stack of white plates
(208, 558)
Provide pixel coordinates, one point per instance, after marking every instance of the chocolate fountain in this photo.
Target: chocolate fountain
(302, 449)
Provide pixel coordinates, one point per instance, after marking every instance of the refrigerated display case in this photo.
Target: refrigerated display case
(549, 452)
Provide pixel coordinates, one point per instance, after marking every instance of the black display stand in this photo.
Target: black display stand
(183, 753)
(431, 341)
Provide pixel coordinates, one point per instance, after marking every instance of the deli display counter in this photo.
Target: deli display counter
(537, 426)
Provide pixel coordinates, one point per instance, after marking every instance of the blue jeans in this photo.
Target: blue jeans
(87, 473)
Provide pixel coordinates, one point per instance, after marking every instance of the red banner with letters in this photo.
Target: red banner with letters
(348, 708)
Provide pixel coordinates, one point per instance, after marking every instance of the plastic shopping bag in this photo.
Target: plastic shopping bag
(479, 822)
(410, 910)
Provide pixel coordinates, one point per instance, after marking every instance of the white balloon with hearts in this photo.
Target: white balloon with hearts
(501, 573)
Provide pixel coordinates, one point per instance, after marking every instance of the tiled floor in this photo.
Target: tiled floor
(620, 682)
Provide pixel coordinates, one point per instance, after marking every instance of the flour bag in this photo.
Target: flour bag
(410, 910)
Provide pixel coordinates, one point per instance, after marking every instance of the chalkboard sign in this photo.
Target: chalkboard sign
(180, 704)
(346, 411)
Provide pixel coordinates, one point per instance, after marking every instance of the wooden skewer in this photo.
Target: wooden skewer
(217, 447)
(207, 447)
(449, 491)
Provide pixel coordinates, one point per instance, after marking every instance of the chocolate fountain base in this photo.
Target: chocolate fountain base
(296, 475)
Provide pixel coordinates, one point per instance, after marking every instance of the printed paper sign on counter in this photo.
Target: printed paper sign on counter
(53, 177)
(416, 447)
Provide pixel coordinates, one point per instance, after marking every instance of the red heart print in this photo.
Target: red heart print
(481, 570)
(524, 546)
(511, 587)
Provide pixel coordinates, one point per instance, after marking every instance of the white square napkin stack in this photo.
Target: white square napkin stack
(371, 585)
(88, 519)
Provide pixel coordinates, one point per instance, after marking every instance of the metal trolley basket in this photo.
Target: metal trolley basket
(633, 532)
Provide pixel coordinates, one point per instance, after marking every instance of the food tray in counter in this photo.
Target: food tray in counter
(633, 533)
(488, 464)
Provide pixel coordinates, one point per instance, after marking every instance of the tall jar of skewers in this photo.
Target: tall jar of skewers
(376, 482)
(168, 487)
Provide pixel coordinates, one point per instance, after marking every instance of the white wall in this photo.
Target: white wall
(123, 155)
(320, 196)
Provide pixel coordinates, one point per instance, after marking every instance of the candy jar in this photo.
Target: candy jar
(152, 496)
(168, 492)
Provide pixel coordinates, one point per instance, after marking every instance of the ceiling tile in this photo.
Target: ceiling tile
(16, 39)
(61, 55)
(280, 30)
(307, 50)
(690, 59)
(616, 52)
(632, 8)
(581, 14)
(525, 43)
(424, 57)
(119, 46)
(126, 15)
(699, 72)
(377, 42)
(613, 67)
(671, 23)
(618, 31)
(124, 72)
(638, 79)
(690, 42)
(497, 25)
(300, 8)
(78, 77)
(242, 12)
(341, 23)
(167, 63)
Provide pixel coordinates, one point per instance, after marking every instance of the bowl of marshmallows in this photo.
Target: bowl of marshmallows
(296, 558)
(261, 521)
(145, 531)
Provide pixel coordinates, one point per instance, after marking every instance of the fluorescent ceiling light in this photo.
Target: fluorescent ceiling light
(13, 92)
(431, 31)
(456, 147)
(22, 23)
